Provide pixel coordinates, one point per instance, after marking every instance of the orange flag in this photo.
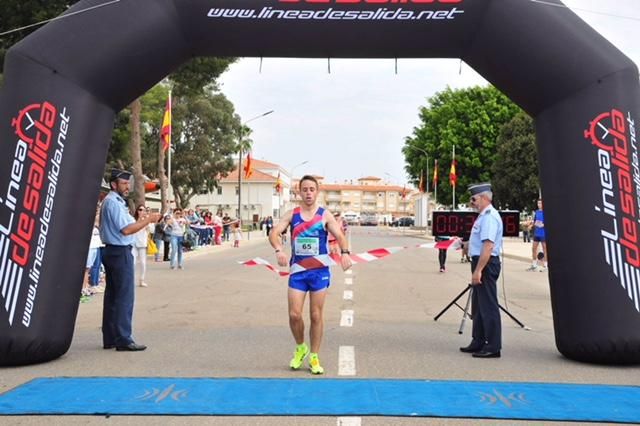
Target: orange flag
(435, 175)
(279, 184)
(452, 173)
(165, 131)
(248, 167)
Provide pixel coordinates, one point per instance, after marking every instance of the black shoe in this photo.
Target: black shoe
(486, 354)
(132, 347)
(470, 349)
(108, 346)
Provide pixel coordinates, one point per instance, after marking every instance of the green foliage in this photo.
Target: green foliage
(205, 137)
(19, 13)
(199, 76)
(515, 171)
(469, 119)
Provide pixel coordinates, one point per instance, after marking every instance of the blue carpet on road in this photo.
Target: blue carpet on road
(323, 397)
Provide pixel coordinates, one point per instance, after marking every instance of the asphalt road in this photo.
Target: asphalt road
(216, 318)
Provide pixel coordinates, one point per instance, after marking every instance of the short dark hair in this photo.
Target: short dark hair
(308, 177)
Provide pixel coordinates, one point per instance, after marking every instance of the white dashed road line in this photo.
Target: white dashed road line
(348, 281)
(346, 319)
(348, 295)
(346, 361)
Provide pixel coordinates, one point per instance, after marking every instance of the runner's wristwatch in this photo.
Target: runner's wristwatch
(344, 251)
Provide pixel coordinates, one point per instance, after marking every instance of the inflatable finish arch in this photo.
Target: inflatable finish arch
(65, 83)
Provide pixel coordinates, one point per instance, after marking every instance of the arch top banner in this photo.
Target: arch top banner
(65, 83)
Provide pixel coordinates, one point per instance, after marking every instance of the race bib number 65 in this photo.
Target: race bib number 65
(306, 246)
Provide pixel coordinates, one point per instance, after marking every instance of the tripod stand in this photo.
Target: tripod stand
(465, 310)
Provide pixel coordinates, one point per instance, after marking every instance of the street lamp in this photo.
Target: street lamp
(240, 136)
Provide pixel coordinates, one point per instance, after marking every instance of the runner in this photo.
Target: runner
(309, 226)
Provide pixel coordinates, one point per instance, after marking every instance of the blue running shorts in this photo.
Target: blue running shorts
(312, 280)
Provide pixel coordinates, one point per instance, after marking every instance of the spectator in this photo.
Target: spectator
(158, 238)
(176, 229)
(237, 234)
(140, 243)
(269, 224)
(217, 228)
(226, 227)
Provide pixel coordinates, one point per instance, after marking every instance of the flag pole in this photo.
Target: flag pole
(169, 189)
(453, 159)
(248, 198)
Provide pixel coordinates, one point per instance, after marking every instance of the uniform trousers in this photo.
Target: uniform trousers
(487, 328)
(117, 314)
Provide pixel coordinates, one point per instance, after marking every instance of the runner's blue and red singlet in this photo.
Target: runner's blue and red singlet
(308, 239)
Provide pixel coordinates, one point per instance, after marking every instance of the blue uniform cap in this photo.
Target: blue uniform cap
(479, 188)
(119, 174)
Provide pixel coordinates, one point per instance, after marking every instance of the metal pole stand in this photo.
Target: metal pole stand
(465, 310)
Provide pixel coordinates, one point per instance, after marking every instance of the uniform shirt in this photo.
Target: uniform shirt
(538, 231)
(488, 226)
(114, 217)
(308, 238)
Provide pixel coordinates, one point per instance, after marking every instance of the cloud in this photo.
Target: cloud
(352, 122)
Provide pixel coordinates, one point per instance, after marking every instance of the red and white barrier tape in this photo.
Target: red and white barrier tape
(323, 260)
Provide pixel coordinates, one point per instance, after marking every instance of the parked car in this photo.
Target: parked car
(351, 218)
(368, 220)
(403, 221)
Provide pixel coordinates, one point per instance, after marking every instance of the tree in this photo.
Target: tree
(515, 171)
(469, 119)
(136, 158)
(205, 138)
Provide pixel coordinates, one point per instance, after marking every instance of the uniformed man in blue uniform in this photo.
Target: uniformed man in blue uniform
(117, 227)
(485, 245)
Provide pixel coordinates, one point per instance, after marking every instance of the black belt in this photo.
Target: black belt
(115, 245)
(490, 257)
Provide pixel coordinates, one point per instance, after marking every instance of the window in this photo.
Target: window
(220, 190)
(237, 190)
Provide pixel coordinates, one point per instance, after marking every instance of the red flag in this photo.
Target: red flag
(421, 186)
(404, 192)
(435, 175)
(248, 168)
(452, 173)
(279, 184)
(165, 131)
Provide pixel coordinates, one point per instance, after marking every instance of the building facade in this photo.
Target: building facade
(259, 197)
(369, 195)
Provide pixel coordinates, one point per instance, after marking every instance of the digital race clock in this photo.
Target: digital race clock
(459, 223)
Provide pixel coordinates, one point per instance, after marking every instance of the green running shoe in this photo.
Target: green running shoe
(314, 364)
(298, 356)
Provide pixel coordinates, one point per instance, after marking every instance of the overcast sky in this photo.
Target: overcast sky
(352, 123)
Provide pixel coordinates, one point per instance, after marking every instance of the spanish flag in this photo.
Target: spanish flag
(435, 175)
(165, 131)
(421, 186)
(248, 168)
(279, 184)
(452, 173)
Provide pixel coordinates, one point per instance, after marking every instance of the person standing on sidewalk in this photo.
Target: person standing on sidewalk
(117, 227)
(539, 237)
(485, 245)
(176, 228)
(140, 243)
(310, 226)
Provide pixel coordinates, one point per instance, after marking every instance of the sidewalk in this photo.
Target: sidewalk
(248, 238)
